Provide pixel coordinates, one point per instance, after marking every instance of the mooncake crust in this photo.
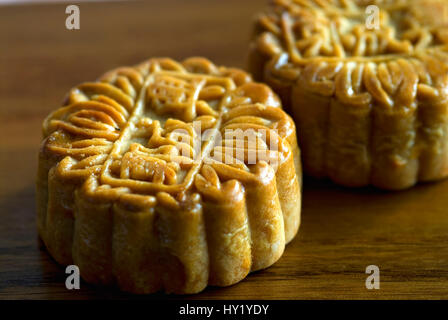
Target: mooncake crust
(371, 105)
(117, 198)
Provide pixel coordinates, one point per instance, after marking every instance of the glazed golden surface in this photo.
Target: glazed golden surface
(130, 203)
(371, 105)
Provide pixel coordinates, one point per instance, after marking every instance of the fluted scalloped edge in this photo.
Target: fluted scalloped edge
(378, 120)
(233, 221)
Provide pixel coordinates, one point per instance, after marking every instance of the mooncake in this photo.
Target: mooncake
(366, 83)
(169, 176)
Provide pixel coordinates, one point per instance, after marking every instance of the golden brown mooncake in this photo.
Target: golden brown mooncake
(132, 190)
(371, 105)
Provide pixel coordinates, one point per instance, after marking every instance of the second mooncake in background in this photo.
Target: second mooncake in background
(169, 176)
(367, 86)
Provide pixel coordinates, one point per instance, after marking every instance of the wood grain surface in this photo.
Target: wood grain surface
(343, 230)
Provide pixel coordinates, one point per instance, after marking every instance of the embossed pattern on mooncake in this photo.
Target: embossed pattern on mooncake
(139, 184)
(370, 102)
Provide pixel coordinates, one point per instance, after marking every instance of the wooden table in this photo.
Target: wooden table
(343, 231)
